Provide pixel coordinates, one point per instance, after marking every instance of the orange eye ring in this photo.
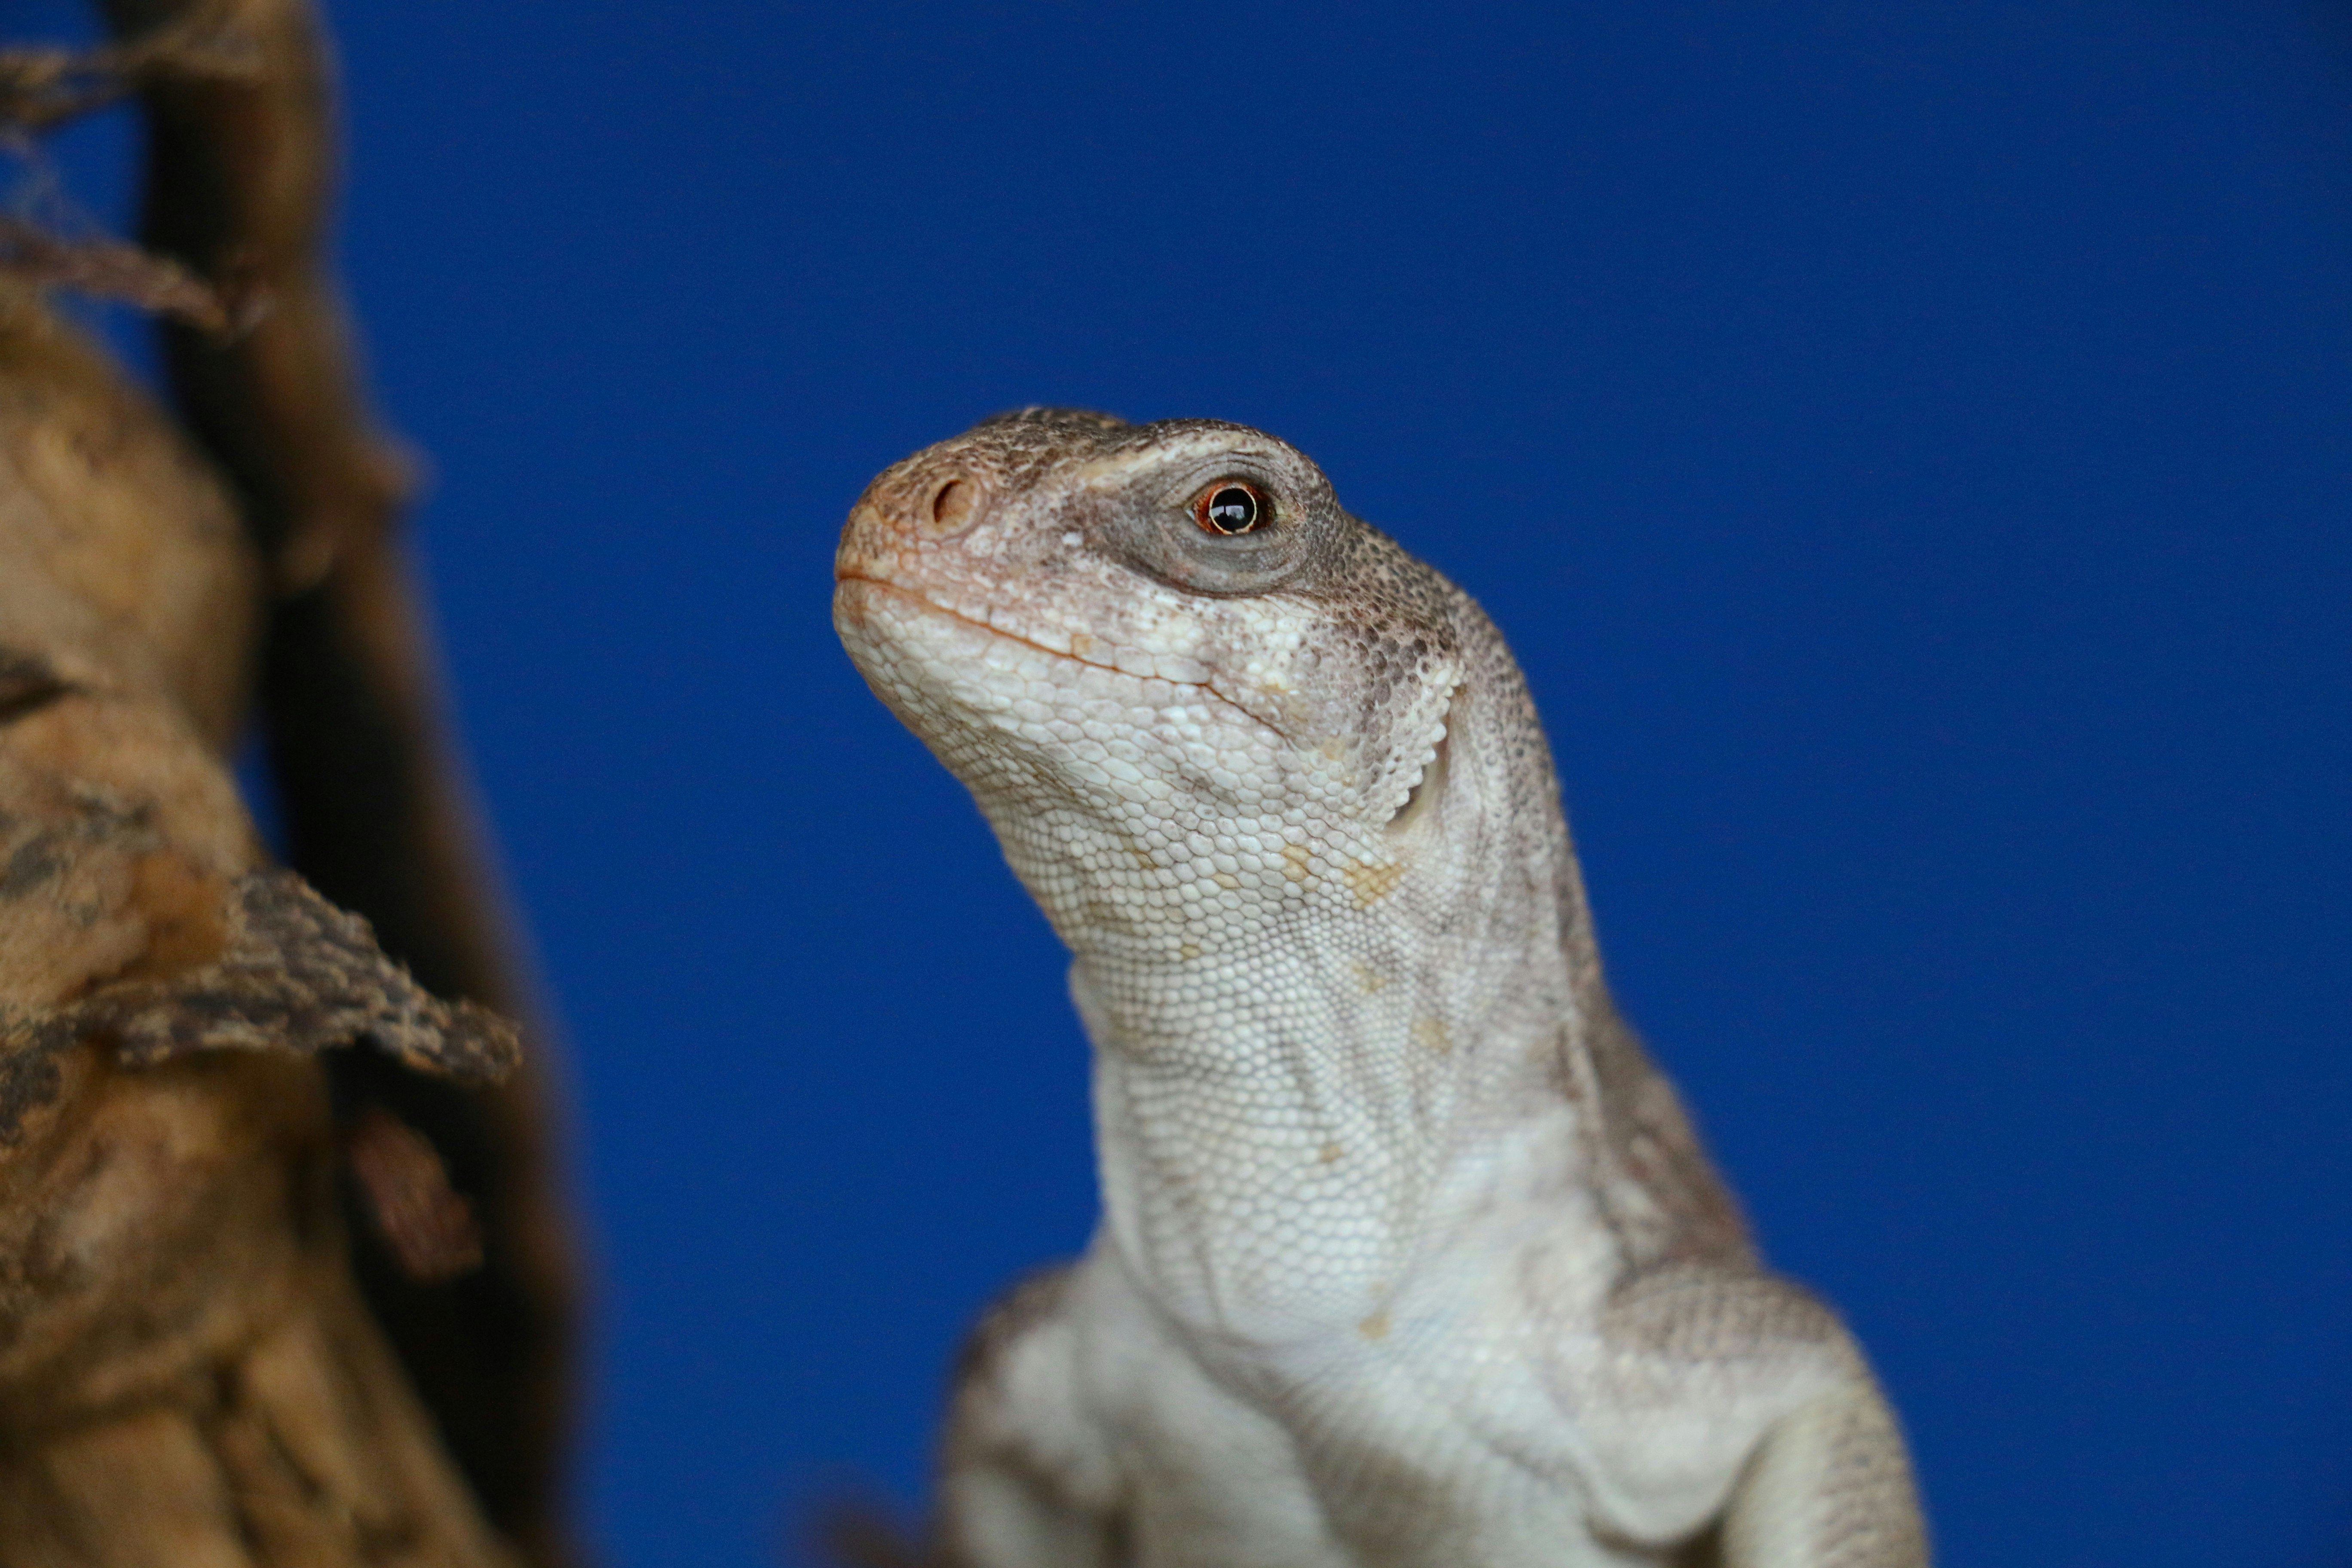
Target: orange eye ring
(1230, 507)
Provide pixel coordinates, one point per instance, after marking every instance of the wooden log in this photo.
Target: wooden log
(376, 805)
(188, 1372)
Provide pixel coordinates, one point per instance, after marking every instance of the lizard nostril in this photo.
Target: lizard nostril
(953, 506)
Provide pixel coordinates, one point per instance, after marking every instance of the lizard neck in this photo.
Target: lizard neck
(1307, 1115)
(1288, 1141)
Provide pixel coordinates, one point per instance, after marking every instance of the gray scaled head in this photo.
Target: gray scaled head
(1194, 696)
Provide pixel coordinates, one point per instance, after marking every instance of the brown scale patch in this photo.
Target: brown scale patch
(1371, 981)
(1294, 859)
(1372, 880)
(1433, 1033)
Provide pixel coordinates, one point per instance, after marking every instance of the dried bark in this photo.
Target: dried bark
(121, 550)
(376, 808)
(185, 1373)
(163, 1052)
(188, 1372)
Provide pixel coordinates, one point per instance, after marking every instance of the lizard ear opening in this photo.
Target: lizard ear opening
(1430, 788)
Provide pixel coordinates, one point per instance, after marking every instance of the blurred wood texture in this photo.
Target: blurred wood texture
(262, 1299)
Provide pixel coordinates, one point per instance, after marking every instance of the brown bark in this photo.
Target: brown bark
(149, 583)
(187, 1373)
(376, 807)
(122, 551)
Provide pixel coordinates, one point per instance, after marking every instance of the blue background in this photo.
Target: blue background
(1907, 445)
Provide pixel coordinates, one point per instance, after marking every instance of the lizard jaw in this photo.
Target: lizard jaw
(853, 588)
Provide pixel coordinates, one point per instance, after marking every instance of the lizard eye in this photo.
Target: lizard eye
(1231, 506)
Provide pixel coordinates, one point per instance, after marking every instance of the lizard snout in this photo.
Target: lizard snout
(906, 513)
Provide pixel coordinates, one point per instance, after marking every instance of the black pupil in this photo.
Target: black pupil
(1233, 510)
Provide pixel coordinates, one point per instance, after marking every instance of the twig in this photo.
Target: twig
(41, 88)
(111, 269)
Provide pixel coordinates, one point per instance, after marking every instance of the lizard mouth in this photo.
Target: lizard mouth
(1083, 648)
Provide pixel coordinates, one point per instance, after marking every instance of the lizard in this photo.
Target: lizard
(1409, 1257)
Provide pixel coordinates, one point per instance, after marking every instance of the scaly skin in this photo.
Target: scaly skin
(1409, 1258)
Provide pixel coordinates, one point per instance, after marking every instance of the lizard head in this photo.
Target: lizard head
(1186, 687)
